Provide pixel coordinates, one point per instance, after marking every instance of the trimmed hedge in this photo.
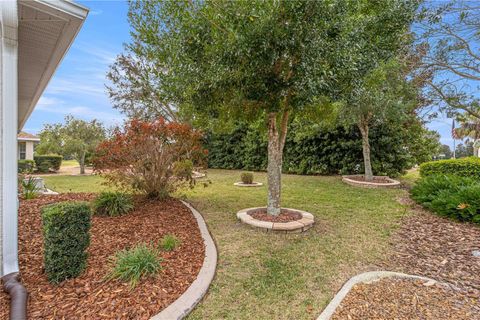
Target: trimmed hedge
(26, 166)
(311, 150)
(48, 161)
(66, 234)
(450, 196)
(246, 177)
(464, 167)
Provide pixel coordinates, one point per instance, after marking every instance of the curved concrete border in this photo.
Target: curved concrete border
(391, 182)
(301, 225)
(367, 277)
(253, 184)
(181, 307)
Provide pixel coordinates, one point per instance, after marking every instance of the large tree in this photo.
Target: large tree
(74, 137)
(451, 35)
(374, 82)
(217, 61)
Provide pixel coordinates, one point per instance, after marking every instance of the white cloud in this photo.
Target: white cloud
(103, 55)
(58, 106)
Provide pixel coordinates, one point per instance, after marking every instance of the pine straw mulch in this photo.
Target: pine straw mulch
(90, 296)
(404, 299)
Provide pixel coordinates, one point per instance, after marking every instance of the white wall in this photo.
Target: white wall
(29, 149)
(8, 136)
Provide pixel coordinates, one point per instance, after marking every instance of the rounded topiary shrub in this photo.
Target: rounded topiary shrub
(112, 203)
(246, 177)
(464, 167)
(66, 235)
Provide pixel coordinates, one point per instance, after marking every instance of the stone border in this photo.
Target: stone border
(181, 307)
(367, 277)
(391, 182)
(253, 184)
(301, 225)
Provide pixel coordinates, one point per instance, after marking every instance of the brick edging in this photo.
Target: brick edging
(181, 307)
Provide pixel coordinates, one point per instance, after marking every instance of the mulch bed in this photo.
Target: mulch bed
(284, 216)
(90, 296)
(437, 248)
(404, 299)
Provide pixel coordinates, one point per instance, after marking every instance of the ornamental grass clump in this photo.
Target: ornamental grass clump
(246, 177)
(132, 265)
(112, 203)
(66, 235)
(169, 242)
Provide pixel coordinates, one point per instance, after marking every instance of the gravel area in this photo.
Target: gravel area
(90, 296)
(404, 299)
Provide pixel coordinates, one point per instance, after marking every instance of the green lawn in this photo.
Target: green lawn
(87, 183)
(69, 163)
(277, 276)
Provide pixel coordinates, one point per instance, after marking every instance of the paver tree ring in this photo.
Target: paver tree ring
(304, 221)
(378, 181)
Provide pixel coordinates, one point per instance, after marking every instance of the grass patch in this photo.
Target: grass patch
(169, 242)
(63, 184)
(276, 276)
(131, 265)
(69, 163)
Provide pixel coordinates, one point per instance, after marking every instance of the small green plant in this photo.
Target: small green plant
(112, 203)
(66, 235)
(169, 242)
(131, 265)
(246, 177)
(30, 188)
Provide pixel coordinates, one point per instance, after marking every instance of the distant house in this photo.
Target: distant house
(26, 145)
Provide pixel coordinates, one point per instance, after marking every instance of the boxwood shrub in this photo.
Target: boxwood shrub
(48, 161)
(465, 167)
(66, 234)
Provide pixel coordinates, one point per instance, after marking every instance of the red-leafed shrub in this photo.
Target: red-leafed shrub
(152, 157)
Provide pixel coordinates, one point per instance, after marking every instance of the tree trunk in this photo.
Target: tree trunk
(276, 141)
(81, 161)
(475, 148)
(366, 151)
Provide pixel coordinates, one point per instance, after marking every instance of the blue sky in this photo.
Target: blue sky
(78, 86)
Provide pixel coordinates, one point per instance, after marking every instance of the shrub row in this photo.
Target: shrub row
(45, 163)
(26, 166)
(322, 151)
(465, 167)
(450, 196)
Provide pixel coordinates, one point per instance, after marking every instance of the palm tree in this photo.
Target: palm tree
(470, 130)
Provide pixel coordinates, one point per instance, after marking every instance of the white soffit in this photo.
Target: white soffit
(46, 29)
